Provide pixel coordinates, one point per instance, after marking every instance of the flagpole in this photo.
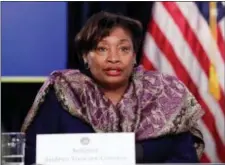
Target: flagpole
(213, 76)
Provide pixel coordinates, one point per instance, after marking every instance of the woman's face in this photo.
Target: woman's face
(111, 63)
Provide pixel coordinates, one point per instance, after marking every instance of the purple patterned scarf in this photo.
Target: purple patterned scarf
(154, 105)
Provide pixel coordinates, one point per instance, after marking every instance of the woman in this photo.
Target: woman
(112, 95)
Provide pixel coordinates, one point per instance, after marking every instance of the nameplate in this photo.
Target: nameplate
(86, 149)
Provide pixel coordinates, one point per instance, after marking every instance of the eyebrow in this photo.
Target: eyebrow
(124, 40)
(121, 41)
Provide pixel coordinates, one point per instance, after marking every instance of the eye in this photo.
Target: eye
(125, 48)
(101, 49)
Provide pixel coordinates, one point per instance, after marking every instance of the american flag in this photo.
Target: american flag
(187, 39)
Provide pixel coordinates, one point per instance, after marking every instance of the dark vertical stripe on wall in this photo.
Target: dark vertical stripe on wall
(142, 12)
(74, 18)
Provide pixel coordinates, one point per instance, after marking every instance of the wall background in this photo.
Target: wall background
(34, 38)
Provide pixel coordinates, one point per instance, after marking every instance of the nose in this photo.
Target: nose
(113, 57)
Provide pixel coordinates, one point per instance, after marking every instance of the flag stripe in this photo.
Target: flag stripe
(155, 54)
(190, 63)
(146, 63)
(205, 159)
(210, 148)
(192, 40)
(168, 51)
(220, 43)
(199, 27)
(183, 24)
(222, 27)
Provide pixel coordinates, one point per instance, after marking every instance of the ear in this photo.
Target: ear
(85, 58)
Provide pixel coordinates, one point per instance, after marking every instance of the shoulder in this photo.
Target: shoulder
(66, 73)
(62, 81)
(164, 82)
(71, 76)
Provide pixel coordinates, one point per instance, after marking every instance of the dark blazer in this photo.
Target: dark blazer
(52, 118)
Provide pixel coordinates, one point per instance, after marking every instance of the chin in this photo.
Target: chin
(112, 82)
(115, 82)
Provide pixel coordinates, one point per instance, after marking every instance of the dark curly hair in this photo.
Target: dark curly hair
(100, 25)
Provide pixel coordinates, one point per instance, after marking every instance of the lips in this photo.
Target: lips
(113, 71)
